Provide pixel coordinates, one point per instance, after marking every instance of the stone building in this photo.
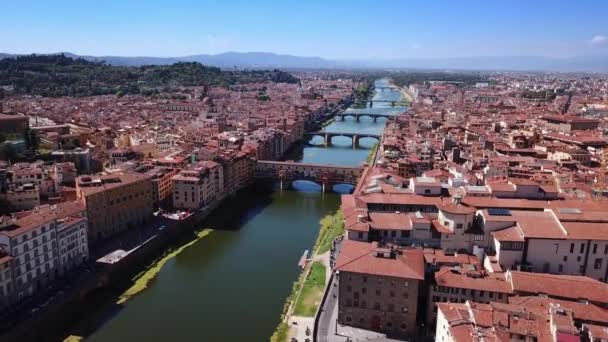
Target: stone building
(379, 287)
(115, 202)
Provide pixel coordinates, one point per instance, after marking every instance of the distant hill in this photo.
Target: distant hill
(60, 75)
(223, 60)
(265, 60)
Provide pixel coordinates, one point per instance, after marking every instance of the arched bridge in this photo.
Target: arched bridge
(392, 102)
(328, 136)
(357, 115)
(326, 175)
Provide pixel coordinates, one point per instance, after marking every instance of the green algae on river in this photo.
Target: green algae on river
(143, 279)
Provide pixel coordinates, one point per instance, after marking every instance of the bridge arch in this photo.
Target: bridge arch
(326, 175)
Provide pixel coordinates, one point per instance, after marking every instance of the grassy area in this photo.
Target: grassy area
(280, 335)
(372, 154)
(143, 279)
(312, 291)
(332, 226)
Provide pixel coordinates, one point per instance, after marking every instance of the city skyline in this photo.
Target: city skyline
(339, 30)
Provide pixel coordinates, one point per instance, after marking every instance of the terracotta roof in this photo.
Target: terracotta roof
(586, 231)
(560, 286)
(438, 256)
(509, 234)
(447, 276)
(582, 311)
(596, 332)
(400, 199)
(35, 218)
(393, 221)
(457, 209)
(358, 257)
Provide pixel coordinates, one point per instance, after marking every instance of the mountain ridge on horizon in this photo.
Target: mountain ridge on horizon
(586, 63)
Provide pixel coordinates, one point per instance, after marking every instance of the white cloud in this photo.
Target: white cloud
(599, 40)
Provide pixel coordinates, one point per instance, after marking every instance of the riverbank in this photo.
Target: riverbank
(372, 155)
(307, 292)
(141, 281)
(406, 95)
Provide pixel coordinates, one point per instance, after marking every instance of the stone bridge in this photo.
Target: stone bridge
(325, 175)
(328, 136)
(357, 115)
(392, 102)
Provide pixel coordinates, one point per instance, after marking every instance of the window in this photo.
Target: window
(571, 248)
(582, 248)
(378, 292)
(481, 293)
(597, 264)
(459, 226)
(578, 258)
(404, 309)
(360, 235)
(364, 290)
(500, 296)
(594, 248)
(560, 268)
(376, 306)
(565, 258)
(606, 249)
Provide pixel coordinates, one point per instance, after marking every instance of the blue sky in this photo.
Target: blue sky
(368, 29)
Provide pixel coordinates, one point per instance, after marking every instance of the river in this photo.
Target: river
(232, 284)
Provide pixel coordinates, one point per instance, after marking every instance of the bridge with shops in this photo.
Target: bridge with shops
(328, 136)
(327, 176)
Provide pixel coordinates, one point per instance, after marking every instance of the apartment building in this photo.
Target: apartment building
(379, 287)
(238, 169)
(162, 186)
(570, 241)
(21, 197)
(43, 244)
(471, 321)
(198, 185)
(115, 202)
(14, 124)
(456, 285)
(6, 280)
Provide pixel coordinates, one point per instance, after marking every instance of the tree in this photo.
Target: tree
(32, 140)
(7, 152)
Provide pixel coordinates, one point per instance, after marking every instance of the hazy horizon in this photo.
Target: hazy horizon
(339, 30)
